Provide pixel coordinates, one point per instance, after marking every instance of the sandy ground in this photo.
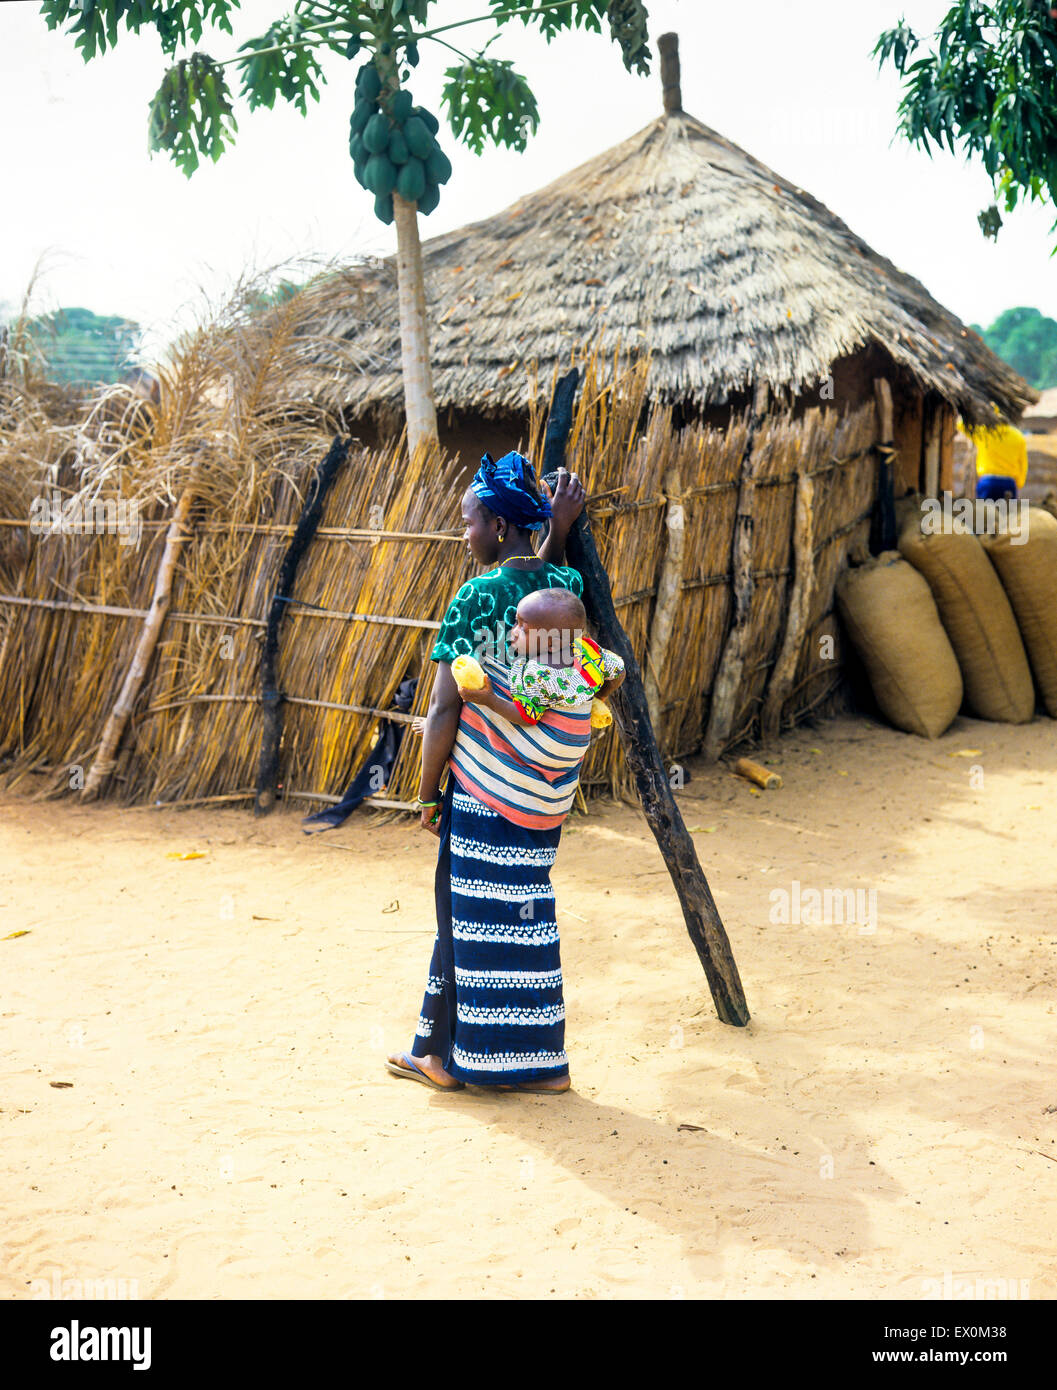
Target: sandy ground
(885, 1126)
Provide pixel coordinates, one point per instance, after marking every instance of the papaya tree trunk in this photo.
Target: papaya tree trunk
(419, 407)
(414, 333)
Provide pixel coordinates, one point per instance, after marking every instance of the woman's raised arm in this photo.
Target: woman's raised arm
(567, 502)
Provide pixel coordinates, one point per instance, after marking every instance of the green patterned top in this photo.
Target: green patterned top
(485, 607)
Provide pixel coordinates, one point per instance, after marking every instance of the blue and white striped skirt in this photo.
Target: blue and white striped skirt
(493, 1011)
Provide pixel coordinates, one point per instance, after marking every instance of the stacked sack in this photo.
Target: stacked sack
(891, 618)
(1026, 563)
(977, 617)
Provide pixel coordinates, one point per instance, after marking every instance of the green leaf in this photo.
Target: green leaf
(191, 113)
(280, 63)
(95, 24)
(488, 101)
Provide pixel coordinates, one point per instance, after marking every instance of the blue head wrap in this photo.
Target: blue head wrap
(501, 487)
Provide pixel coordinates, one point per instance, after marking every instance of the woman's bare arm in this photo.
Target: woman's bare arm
(438, 736)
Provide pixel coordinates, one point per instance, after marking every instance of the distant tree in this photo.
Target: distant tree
(1027, 340)
(987, 80)
(74, 345)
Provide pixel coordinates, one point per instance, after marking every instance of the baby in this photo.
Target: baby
(556, 666)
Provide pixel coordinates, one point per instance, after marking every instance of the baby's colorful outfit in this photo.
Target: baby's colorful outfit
(536, 688)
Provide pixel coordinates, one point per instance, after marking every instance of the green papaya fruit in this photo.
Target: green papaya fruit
(359, 151)
(438, 166)
(419, 140)
(380, 175)
(401, 106)
(411, 181)
(361, 114)
(359, 169)
(429, 200)
(368, 82)
(411, 54)
(383, 209)
(431, 122)
(398, 150)
(376, 133)
(353, 46)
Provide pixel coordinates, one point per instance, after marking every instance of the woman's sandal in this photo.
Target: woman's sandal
(406, 1067)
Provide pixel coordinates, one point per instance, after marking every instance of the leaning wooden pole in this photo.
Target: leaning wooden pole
(271, 696)
(702, 918)
(105, 759)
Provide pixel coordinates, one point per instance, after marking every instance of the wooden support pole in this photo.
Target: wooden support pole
(702, 918)
(802, 591)
(946, 442)
(271, 698)
(105, 759)
(883, 521)
(727, 683)
(669, 592)
(932, 450)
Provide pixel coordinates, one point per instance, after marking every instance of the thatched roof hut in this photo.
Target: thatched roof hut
(676, 241)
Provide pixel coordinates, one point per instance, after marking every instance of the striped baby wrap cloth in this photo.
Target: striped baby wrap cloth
(528, 775)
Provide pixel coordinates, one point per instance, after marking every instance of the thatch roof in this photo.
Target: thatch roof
(677, 241)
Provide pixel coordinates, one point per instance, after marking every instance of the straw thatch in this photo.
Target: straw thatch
(677, 240)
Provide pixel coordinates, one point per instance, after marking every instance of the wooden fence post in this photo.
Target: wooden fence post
(271, 696)
(883, 521)
(669, 592)
(802, 591)
(105, 760)
(722, 709)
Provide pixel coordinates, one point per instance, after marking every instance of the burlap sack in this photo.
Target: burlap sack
(1029, 576)
(891, 618)
(978, 619)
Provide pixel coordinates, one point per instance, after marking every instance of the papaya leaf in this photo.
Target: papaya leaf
(191, 113)
(281, 63)
(488, 101)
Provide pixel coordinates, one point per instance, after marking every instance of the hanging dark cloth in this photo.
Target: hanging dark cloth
(381, 759)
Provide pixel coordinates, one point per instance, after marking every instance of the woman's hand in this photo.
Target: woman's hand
(567, 500)
(483, 696)
(430, 819)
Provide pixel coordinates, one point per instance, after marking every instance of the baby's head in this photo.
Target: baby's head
(549, 623)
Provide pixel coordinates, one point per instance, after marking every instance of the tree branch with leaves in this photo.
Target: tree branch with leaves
(987, 80)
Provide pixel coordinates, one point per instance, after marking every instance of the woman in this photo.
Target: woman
(493, 1012)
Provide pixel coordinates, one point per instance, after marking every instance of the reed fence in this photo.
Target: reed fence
(373, 586)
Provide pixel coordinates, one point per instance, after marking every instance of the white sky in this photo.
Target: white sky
(792, 84)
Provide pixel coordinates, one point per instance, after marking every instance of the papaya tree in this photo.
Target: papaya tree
(394, 142)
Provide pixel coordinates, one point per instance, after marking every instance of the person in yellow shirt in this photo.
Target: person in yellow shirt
(1001, 459)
